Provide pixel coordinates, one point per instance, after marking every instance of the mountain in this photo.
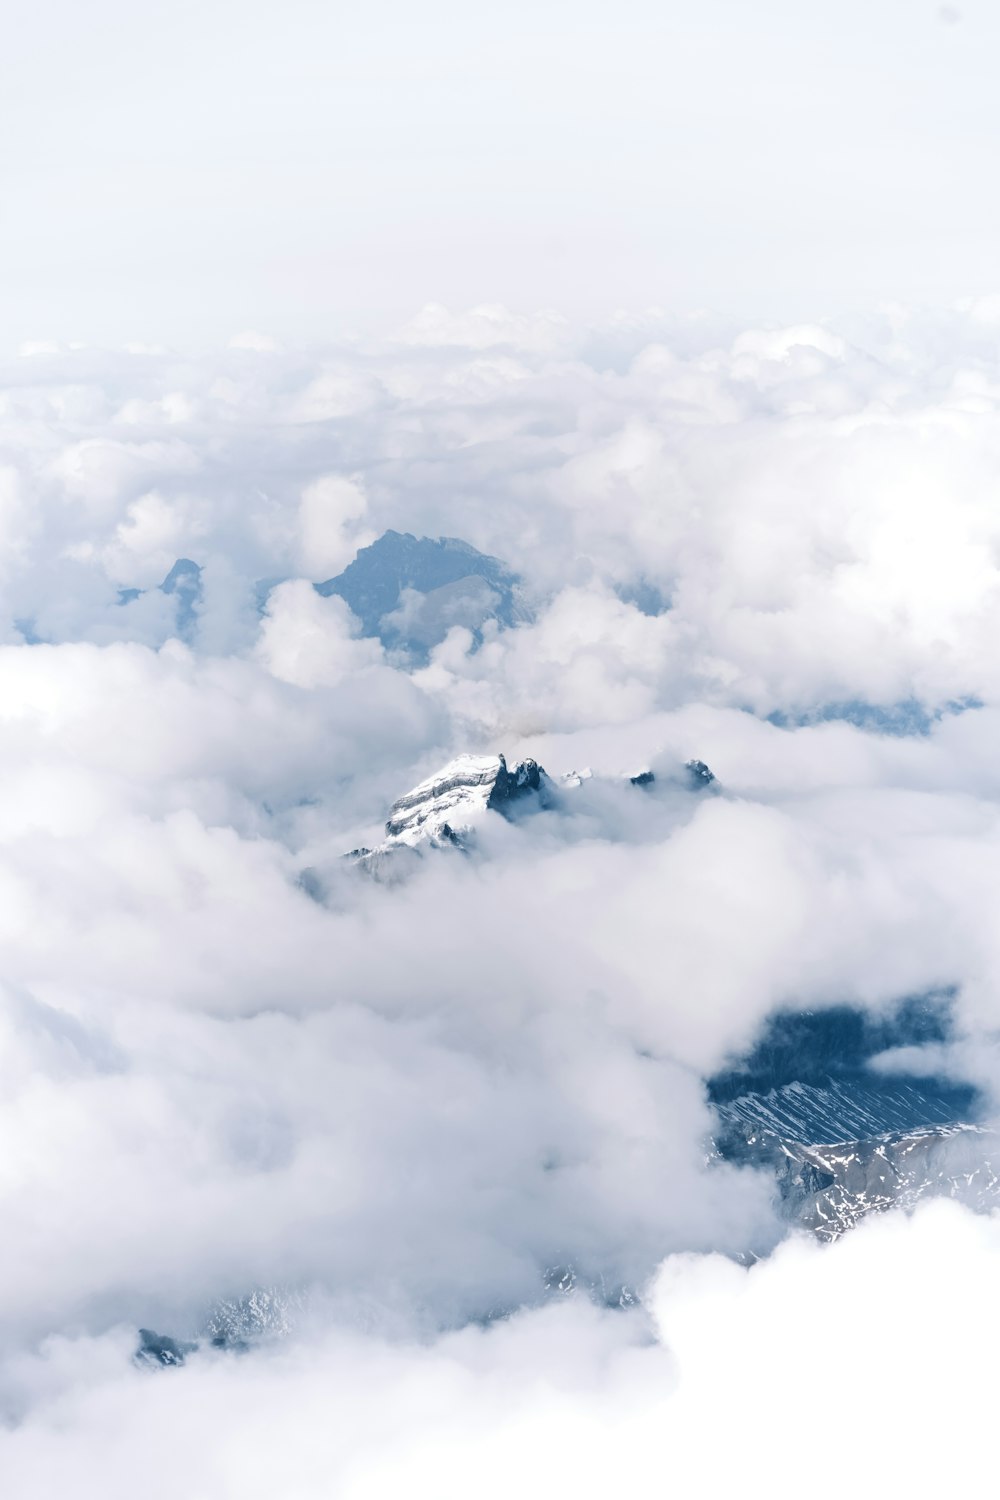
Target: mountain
(842, 1138)
(233, 1323)
(161, 1349)
(409, 591)
(828, 1189)
(445, 809)
(265, 1313)
(184, 583)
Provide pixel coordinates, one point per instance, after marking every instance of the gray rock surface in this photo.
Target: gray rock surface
(828, 1189)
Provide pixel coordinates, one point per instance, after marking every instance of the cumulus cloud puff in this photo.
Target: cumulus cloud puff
(229, 1060)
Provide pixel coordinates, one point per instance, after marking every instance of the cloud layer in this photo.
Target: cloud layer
(228, 1060)
(730, 1380)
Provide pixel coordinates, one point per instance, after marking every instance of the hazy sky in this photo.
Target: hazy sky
(183, 171)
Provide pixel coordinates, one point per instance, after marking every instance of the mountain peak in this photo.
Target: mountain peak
(444, 808)
(410, 591)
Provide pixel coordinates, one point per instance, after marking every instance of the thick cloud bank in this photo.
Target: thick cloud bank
(409, 1110)
(867, 1364)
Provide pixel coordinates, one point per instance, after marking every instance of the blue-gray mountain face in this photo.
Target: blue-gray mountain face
(842, 1138)
(907, 717)
(183, 583)
(184, 580)
(410, 591)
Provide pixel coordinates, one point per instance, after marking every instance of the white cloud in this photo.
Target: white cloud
(332, 513)
(411, 1099)
(747, 1380)
(148, 541)
(311, 641)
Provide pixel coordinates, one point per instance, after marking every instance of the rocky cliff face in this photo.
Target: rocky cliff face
(844, 1139)
(828, 1189)
(851, 1109)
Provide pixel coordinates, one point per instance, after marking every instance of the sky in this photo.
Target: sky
(181, 172)
(691, 316)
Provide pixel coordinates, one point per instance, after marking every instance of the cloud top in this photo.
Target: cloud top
(233, 1064)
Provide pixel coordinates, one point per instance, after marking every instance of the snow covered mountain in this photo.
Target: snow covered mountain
(830, 1188)
(446, 808)
(844, 1110)
(455, 796)
(843, 1138)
